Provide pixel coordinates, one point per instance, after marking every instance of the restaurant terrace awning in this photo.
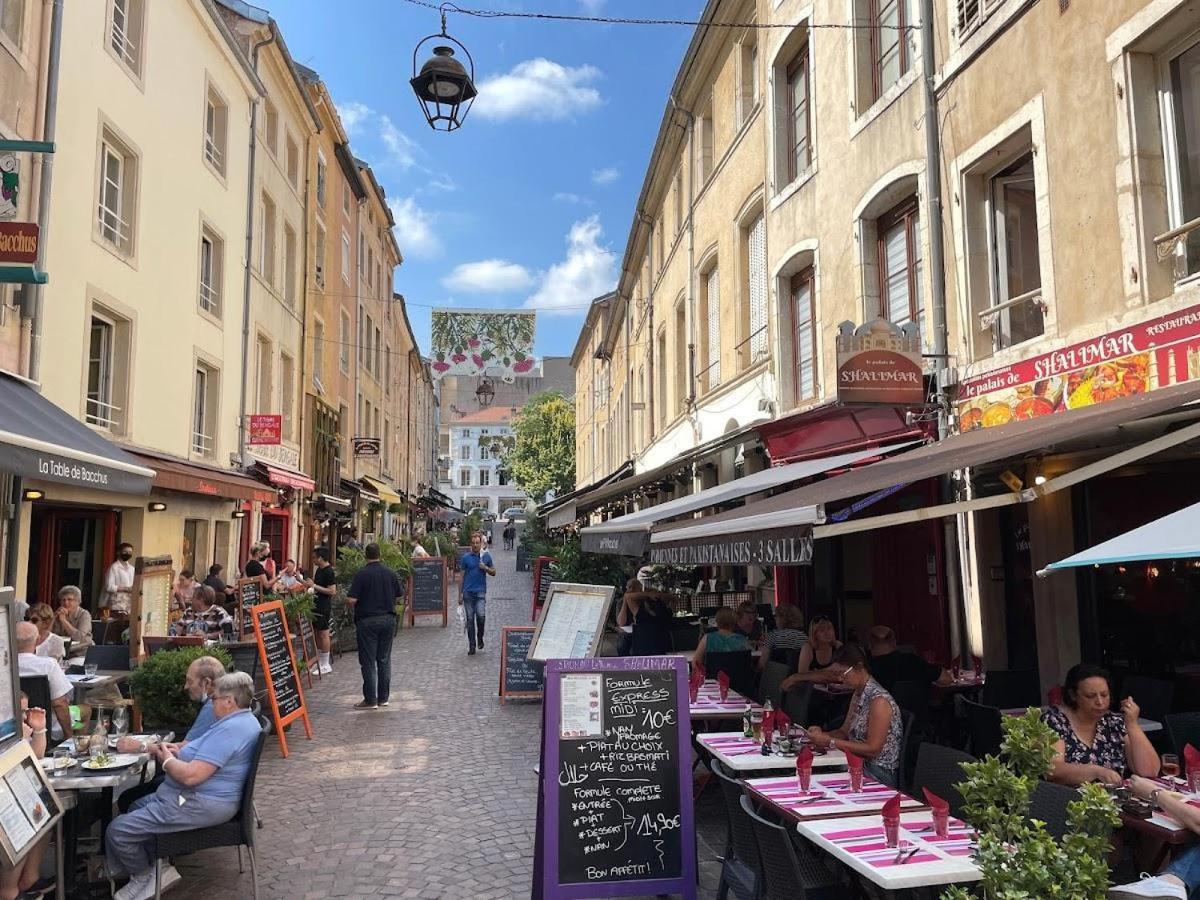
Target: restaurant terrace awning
(173, 474)
(562, 511)
(980, 447)
(629, 535)
(1175, 536)
(284, 477)
(386, 493)
(43, 442)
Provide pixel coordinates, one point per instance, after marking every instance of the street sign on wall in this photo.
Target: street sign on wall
(878, 362)
(266, 429)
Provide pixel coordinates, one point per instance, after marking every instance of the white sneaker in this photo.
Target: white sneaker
(170, 878)
(325, 669)
(140, 887)
(1151, 887)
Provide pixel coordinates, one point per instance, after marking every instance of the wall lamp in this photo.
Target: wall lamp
(31, 494)
(156, 506)
(239, 514)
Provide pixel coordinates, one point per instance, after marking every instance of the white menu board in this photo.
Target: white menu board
(571, 622)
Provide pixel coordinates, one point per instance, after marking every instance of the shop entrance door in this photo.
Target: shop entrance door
(275, 532)
(70, 546)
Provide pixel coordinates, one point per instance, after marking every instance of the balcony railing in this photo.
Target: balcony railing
(990, 317)
(113, 228)
(213, 153)
(1174, 243)
(209, 299)
(202, 444)
(101, 413)
(123, 46)
(747, 346)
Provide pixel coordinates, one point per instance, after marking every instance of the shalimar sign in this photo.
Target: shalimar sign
(880, 363)
(776, 547)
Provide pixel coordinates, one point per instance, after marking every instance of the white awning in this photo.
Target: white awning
(1176, 536)
(644, 519)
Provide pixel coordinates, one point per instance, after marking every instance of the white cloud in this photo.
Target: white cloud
(607, 175)
(588, 271)
(568, 197)
(539, 89)
(591, 7)
(414, 228)
(354, 115)
(402, 150)
(360, 121)
(442, 183)
(488, 276)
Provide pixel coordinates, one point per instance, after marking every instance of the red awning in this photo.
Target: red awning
(174, 474)
(285, 477)
(833, 429)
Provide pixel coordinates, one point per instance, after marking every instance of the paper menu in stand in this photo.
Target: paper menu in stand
(570, 624)
(27, 796)
(13, 819)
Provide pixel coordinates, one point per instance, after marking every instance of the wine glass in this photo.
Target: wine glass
(1170, 765)
(120, 721)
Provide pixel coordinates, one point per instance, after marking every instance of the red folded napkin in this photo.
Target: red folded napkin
(1191, 758)
(698, 670)
(852, 761)
(936, 803)
(697, 678)
(1054, 695)
(782, 721)
(723, 681)
(891, 809)
(804, 759)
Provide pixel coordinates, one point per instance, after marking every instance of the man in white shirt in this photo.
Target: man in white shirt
(29, 663)
(118, 581)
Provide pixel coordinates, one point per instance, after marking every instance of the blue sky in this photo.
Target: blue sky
(530, 203)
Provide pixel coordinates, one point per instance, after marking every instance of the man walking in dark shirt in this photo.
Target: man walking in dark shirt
(373, 595)
(476, 566)
(890, 666)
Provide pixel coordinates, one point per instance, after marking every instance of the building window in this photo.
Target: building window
(377, 369)
(660, 243)
(346, 200)
(485, 477)
(216, 125)
(118, 190)
(125, 33)
(748, 94)
(289, 265)
(345, 257)
(682, 366)
(1183, 151)
(970, 14)
(660, 357)
(204, 412)
(679, 200)
(752, 323)
(100, 408)
(271, 127)
(464, 451)
(892, 42)
(267, 247)
(292, 161)
(705, 133)
(798, 149)
(318, 354)
(805, 334)
(710, 338)
(1015, 253)
(347, 338)
(898, 258)
(322, 179)
(212, 267)
(319, 256)
(502, 478)
(263, 389)
(12, 20)
(287, 394)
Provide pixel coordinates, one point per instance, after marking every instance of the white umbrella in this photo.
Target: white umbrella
(1175, 536)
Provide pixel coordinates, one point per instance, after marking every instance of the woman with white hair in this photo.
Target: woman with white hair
(202, 787)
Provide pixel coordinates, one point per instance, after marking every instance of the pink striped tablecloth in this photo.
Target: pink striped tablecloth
(709, 704)
(828, 796)
(743, 754)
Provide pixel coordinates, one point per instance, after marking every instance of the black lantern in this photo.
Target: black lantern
(485, 393)
(444, 87)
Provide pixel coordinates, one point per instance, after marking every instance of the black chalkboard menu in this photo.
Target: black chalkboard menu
(520, 677)
(249, 594)
(427, 588)
(279, 668)
(543, 577)
(616, 804)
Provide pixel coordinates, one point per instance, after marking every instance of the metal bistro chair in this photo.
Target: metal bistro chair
(906, 738)
(769, 684)
(983, 723)
(1048, 804)
(1011, 688)
(741, 869)
(940, 770)
(791, 871)
(796, 703)
(1183, 729)
(37, 689)
(685, 636)
(237, 832)
(738, 665)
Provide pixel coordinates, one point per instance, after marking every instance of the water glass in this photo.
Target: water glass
(891, 832)
(804, 778)
(62, 761)
(90, 669)
(941, 822)
(96, 750)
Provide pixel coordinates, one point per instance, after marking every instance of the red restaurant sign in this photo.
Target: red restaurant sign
(19, 242)
(266, 429)
(1134, 360)
(879, 363)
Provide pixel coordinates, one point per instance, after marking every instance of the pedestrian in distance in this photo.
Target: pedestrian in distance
(510, 534)
(324, 586)
(476, 566)
(373, 595)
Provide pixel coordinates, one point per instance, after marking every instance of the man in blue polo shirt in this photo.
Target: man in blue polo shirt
(476, 566)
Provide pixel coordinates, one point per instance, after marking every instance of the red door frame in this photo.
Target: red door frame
(48, 545)
(279, 548)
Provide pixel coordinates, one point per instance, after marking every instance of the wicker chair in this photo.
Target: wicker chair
(237, 832)
(939, 769)
(741, 870)
(790, 870)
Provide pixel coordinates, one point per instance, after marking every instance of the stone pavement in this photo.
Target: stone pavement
(433, 797)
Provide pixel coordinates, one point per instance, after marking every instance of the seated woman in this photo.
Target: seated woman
(724, 640)
(1095, 743)
(202, 787)
(816, 656)
(788, 636)
(203, 617)
(873, 728)
(1182, 875)
(650, 617)
(49, 644)
(22, 881)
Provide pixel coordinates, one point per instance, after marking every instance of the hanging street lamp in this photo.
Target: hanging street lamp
(485, 393)
(444, 87)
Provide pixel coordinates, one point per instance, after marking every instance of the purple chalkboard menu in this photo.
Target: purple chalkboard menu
(615, 816)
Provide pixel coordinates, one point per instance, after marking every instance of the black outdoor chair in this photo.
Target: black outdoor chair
(769, 684)
(766, 612)
(108, 656)
(1011, 688)
(237, 832)
(1183, 729)
(939, 769)
(37, 689)
(99, 629)
(685, 636)
(796, 703)
(1048, 804)
(913, 696)
(738, 665)
(983, 725)
(1152, 695)
(741, 870)
(790, 870)
(907, 737)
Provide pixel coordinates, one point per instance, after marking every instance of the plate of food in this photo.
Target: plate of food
(48, 763)
(103, 762)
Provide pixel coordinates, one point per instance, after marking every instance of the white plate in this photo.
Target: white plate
(47, 763)
(116, 761)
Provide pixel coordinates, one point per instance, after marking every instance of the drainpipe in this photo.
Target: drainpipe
(270, 39)
(32, 298)
(690, 300)
(300, 417)
(648, 399)
(941, 342)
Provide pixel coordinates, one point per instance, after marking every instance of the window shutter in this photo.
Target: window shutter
(758, 290)
(714, 329)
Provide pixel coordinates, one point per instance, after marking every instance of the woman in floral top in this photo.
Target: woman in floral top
(1095, 743)
(873, 728)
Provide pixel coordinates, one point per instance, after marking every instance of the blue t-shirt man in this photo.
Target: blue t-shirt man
(228, 745)
(476, 566)
(474, 577)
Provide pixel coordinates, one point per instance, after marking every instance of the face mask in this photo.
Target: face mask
(125, 554)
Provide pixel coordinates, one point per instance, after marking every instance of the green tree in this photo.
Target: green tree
(542, 456)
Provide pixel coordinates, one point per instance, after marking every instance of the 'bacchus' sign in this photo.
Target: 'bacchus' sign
(778, 547)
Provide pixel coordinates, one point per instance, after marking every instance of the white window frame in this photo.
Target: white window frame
(322, 179)
(345, 257)
(319, 254)
(205, 394)
(216, 130)
(99, 410)
(125, 35)
(212, 268)
(347, 337)
(270, 127)
(116, 199)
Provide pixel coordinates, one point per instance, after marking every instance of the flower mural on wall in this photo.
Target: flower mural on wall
(479, 342)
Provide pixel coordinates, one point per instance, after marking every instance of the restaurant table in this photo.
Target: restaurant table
(858, 842)
(739, 753)
(1148, 725)
(1162, 827)
(828, 796)
(966, 681)
(102, 678)
(709, 705)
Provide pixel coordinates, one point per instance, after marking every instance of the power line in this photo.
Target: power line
(627, 20)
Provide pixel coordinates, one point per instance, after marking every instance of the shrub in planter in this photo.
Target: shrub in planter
(157, 685)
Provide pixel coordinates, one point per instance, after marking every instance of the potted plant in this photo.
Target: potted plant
(157, 685)
(1016, 855)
